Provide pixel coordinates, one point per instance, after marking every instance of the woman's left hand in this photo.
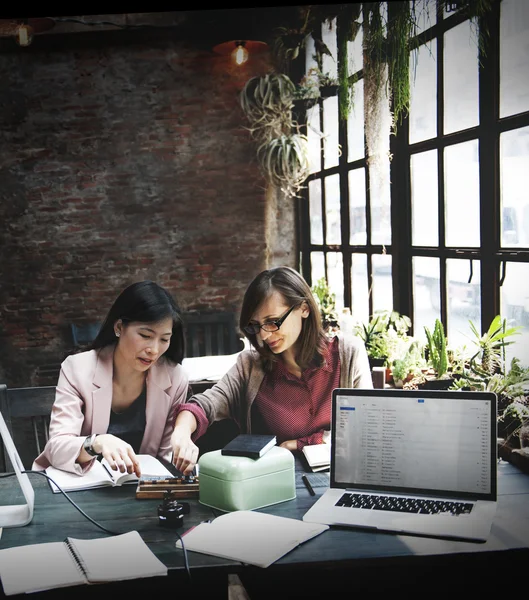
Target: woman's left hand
(291, 445)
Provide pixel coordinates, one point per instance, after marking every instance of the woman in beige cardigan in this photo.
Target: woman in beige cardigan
(283, 384)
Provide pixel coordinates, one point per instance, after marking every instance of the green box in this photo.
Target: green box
(231, 483)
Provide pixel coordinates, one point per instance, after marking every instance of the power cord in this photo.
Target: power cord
(110, 532)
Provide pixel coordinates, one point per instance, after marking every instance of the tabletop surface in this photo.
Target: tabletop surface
(118, 510)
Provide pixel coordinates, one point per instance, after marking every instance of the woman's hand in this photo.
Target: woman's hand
(119, 455)
(291, 445)
(185, 452)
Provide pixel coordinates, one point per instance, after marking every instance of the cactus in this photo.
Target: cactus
(437, 349)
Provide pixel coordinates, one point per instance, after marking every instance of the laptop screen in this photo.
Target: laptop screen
(440, 443)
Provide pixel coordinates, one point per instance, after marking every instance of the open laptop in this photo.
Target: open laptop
(16, 515)
(421, 462)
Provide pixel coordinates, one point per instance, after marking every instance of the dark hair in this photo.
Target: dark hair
(295, 290)
(144, 302)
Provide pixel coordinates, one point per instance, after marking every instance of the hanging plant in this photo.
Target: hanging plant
(282, 152)
(267, 102)
(285, 161)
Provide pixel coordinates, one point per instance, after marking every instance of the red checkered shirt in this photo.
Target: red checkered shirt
(295, 408)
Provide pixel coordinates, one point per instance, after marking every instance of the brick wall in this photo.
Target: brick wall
(123, 156)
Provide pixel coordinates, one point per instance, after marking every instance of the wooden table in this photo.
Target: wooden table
(319, 568)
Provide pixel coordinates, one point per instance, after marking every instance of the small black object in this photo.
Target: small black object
(171, 512)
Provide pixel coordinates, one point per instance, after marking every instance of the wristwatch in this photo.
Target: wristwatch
(87, 445)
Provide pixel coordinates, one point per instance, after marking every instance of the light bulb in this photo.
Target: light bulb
(240, 54)
(24, 35)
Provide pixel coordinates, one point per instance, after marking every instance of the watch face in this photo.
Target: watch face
(88, 445)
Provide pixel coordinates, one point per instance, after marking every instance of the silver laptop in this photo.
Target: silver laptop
(417, 462)
(16, 515)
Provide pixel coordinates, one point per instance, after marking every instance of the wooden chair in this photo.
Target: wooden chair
(210, 334)
(26, 412)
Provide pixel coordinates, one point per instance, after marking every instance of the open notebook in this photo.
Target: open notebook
(16, 515)
(412, 461)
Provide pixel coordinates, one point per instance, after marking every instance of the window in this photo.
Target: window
(423, 231)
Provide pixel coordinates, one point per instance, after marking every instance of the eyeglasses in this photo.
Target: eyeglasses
(254, 328)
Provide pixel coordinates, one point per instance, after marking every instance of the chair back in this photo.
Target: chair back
(26, 412)
(84, 334)
(210, 334)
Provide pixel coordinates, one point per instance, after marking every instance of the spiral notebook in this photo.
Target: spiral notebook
(39, 567)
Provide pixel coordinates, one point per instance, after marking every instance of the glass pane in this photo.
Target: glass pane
(330, 131)
(335, 276)
(355, 124)
(514, 181)
(317, 266)
(359, 288)
(462, 195)
(316, 221)
(330, 63)
(424, 201)
(314, 138)
(425, 14)
(426, 294)
(357, 207)
(332, 209)
(514, 298)
(382, 282)
(514, 57)
(381, 224)
(378, 119)
(310, 53)
(355, 53)
(464, 298)
(460, 78)
(423, 93)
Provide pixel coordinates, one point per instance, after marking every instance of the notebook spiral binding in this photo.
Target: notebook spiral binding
(77, 560)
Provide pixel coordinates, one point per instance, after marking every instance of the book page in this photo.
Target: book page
(117, 558)
(150, 467)
(38, 567)
(96, 476)
(250, 537)
(100, 474)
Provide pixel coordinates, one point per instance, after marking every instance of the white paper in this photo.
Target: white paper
(250, 537)
(211, 368)
(317, 455)
(38, 567)
(117, 558)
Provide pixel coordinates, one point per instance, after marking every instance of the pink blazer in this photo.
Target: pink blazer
(83, 402)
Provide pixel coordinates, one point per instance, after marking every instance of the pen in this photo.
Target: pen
(307, 485)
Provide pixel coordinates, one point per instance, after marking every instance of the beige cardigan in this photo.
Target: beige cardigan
(233, 396)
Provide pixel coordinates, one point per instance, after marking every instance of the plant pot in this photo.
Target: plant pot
(436, 384)
(519, 457)
(327, 91)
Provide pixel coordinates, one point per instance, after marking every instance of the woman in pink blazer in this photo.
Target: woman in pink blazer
(119, 398)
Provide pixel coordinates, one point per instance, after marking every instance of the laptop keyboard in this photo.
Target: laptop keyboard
(403, 504)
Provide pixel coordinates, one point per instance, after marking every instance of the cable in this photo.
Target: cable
(43, 474)
(67, 498)
(186, 561)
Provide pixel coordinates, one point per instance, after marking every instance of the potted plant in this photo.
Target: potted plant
(487, 370)
(326, 300)
(438, 375)
(385, 337)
